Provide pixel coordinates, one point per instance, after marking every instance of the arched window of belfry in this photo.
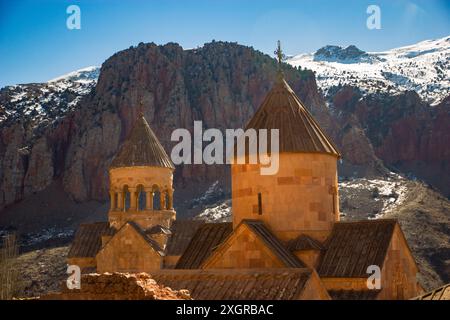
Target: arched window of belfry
(126, 198)
(169, 203)
(141, 198)
(156, 198)
(115, 200)
(166, 200)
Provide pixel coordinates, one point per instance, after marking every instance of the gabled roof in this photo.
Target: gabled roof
(155, 245)
(237, 284)
(207, 238)
(299, 132)
(141, 148)
(304, 242)
(182, 233)
(273, 243)
(354, 294)
(442, 293)
(88, 239)
(353, 246)
(152, 243)
(156, 229)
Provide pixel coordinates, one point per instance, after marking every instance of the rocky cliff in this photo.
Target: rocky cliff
(221, 84)
(404, 132)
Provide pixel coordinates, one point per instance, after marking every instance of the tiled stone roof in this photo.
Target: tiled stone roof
(237, 284)
(141, 148)
(277, 247)
(87, 241)
(353, 294)
(146, 237)
(299, 132)
(442, 293)
(304, 242)
(182, 233)
(211, 235)
(353, 246)
(207, 238)
(158, 229)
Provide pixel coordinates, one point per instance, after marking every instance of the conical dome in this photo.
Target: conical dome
(299, 132)
(142, 148)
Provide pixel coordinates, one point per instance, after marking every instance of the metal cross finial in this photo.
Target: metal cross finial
(280, 57)
(141, 108)
(279, 53)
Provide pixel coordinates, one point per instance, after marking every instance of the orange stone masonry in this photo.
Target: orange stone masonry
(141, 198)
(141, 194)
(302, 196)
(285, 240)
(128, 251)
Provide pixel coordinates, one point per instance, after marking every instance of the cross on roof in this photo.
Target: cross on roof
(280, 56)
(279, 53)
(141, 108)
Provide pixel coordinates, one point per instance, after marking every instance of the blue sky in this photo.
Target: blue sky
(35, 44)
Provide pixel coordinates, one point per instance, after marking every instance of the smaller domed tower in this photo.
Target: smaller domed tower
(141, 176)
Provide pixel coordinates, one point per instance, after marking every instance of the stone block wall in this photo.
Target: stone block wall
(244, 250)
(128, 251)
(301, 197)
(309, 257)
(399, 273)
(141, 194)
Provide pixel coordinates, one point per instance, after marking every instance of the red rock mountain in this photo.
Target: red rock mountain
(221, 84)
(407, 134)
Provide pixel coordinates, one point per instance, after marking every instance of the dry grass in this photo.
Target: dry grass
(42, 271)
(425, 220)
(9, 274)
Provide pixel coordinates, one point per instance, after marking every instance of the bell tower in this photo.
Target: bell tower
(141, 176)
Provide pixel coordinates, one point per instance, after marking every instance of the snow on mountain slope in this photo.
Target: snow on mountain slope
(361, 198)
(45, 102)
(423, 67)
(220, 212)
(84, 75)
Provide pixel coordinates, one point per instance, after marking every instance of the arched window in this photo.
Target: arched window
(115, 200)
(156, 198)
(126, 198)
(260, 203)
(168, 201)
(141, 199)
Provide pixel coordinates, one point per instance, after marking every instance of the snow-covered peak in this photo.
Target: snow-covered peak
(421, 48)
(350, 54)
(43, 103)
(86, 74)
(422, 67)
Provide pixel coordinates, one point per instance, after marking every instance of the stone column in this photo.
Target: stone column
(112, 194)
(162, 200)
(148, 198)
(120, 199)
(133, 199)
(170, 204)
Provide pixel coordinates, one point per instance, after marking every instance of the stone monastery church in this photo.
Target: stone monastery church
(285, 241)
